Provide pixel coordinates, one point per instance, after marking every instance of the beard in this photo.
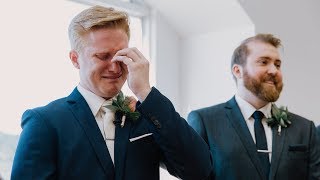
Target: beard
(263, 90)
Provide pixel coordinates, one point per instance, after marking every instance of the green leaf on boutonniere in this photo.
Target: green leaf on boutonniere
(279, 117)
(121, 104)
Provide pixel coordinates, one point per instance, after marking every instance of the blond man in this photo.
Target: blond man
(82, 137)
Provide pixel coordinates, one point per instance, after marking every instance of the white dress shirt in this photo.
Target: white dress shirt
(103, 116)
(247, 110)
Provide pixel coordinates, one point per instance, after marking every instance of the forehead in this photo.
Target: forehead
(260, 49)
(106, 39)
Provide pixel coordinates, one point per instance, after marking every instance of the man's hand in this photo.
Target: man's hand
(138, 71)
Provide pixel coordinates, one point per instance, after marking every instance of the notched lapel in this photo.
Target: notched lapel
(83, 114)
(235, 116)
(277, 147)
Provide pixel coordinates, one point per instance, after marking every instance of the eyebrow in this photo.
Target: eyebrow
(268, 58)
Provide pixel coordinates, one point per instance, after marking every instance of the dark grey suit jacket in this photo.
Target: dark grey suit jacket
(295, 154)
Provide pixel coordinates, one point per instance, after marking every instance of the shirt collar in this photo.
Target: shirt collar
(247, 109)
(94, 101)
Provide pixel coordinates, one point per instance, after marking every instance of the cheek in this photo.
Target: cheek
(256, 74)
(93, 71)
(259, 74)
(280, 75)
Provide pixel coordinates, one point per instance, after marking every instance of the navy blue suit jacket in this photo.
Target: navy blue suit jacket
(295, 154)
(62, 141)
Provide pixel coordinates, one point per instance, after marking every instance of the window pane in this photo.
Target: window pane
(135, 41)
(35, 66)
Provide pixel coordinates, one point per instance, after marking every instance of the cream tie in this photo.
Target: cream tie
(108, 127)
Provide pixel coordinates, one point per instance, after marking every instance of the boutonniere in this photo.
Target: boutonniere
(125, 107)
(279, 117)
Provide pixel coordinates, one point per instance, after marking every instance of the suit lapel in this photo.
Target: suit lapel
(236, 118)
(120, 147)
(278, 141)
(83, 114)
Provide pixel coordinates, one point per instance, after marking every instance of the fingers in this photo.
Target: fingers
(138, 52)
(126, 60)
(129, 54)
(138, 71)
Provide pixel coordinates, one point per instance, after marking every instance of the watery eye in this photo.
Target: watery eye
(103, 57)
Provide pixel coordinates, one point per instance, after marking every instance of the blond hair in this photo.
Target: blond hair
(94, 18)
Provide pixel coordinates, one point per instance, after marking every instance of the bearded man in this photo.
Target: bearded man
(249, 136)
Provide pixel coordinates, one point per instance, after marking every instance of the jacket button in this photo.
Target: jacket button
(157, 123)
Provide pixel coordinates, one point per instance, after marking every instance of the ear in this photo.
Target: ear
(237, 71)
(73, 55)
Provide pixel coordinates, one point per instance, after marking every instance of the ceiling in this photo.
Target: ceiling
(191, 17)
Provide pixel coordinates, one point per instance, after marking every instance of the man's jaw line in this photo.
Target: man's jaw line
(251, 97)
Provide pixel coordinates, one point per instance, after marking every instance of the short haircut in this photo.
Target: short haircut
(94, 18)
(241, 53)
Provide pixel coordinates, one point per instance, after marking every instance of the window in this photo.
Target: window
(35, 67)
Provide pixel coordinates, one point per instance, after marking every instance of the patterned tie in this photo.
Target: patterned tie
(261, 141)
(108, 127)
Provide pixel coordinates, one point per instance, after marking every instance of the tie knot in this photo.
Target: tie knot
(257, 115)
(104, 104)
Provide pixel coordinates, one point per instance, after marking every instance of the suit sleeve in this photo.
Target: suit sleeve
(186, 155)
(35, 155)
(195, 121)
(314, 161)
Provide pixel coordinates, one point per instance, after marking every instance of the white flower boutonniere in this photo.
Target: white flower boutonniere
(125, 107)
(279, 117)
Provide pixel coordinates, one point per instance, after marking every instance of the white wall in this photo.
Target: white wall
(206, 76)
(194, 72)
(202, 59)
(35, 67)
(166, 64)
(297, 24)
(168, 58)
(192, 64)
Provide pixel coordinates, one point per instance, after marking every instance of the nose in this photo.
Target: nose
(114, 67)
(273, 69)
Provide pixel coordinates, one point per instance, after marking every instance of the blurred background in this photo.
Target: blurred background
(188, 42)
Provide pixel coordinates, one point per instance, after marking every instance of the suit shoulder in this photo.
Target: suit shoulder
(299, 120)
(209, 114)
(51, 108)
(210, 109)
(52, 105)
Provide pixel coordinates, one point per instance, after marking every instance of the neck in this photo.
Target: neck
(251, 98)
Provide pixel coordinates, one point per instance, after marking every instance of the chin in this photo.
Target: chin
(108, 92)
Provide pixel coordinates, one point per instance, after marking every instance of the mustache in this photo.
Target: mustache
(272, 78)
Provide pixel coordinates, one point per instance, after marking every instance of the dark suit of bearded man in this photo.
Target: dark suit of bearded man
(250, 138)
(295, 154)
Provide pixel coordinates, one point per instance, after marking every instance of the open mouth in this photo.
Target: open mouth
(270, 82)
(115, 76)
